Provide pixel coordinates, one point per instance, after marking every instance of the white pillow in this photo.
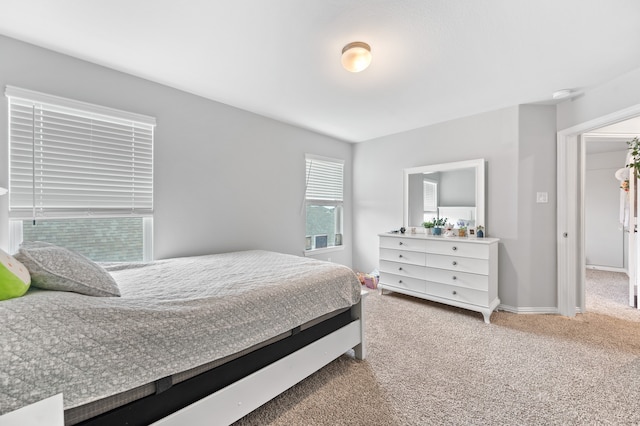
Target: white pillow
(57, 268)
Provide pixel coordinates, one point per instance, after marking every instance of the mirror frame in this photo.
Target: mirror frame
(480, 185)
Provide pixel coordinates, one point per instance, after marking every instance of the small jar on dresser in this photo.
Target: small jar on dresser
(457, 271)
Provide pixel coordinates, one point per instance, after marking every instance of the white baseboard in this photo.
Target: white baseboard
(527, 310)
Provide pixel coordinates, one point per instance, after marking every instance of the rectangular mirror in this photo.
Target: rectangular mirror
(451, 190)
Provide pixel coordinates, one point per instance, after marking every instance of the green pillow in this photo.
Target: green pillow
(14, 277)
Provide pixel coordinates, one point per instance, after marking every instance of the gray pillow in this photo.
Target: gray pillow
(57, 268)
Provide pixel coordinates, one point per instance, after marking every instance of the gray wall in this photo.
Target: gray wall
(615, 95)
(225, 179)
(518, 144)
(534, 247)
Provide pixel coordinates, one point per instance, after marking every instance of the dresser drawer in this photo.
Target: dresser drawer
(456, 263)
(403, 256)
(458, 248)
(403, 269)
(460, 279)
(460, 294)
(403, 243)
(399, 281)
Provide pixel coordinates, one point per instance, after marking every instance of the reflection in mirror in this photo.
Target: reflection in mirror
(452, 190)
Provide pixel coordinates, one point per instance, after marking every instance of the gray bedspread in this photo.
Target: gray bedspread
(173, 315)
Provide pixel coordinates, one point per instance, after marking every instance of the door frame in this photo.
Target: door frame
(570, 208)
(633, 244)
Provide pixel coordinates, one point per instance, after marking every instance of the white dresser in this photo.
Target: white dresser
(462, 272)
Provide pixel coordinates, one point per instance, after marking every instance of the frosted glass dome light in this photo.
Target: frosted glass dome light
(356, 56)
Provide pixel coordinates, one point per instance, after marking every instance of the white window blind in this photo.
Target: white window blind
(72, 159)
(430, 196)
(324, 180)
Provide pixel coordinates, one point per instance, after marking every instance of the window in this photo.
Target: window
(81, 176)
(430, 199)
(323, 198)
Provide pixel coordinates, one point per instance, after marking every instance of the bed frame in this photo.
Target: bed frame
(236, 393)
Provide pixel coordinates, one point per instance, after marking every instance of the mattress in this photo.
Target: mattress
(174, 317)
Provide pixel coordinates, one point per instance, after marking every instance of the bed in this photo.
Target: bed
(191, 340)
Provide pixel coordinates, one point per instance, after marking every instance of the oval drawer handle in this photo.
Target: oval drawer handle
(455, 278)
(399, 281)
(400, 243)
(454, 263)
(400, 256)
(454, 292)
(400, 269)
(454, 248)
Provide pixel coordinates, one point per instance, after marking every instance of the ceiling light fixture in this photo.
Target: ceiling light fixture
(356, 56)
(561, 94)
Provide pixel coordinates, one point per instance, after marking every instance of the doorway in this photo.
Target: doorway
(571, 217)
(608, 223)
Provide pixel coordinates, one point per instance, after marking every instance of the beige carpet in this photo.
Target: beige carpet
(433, 364)
(608, 293)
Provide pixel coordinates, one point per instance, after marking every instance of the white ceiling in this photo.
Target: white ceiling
(433, 60)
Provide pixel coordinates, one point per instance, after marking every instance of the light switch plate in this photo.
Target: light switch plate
(542, 197)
